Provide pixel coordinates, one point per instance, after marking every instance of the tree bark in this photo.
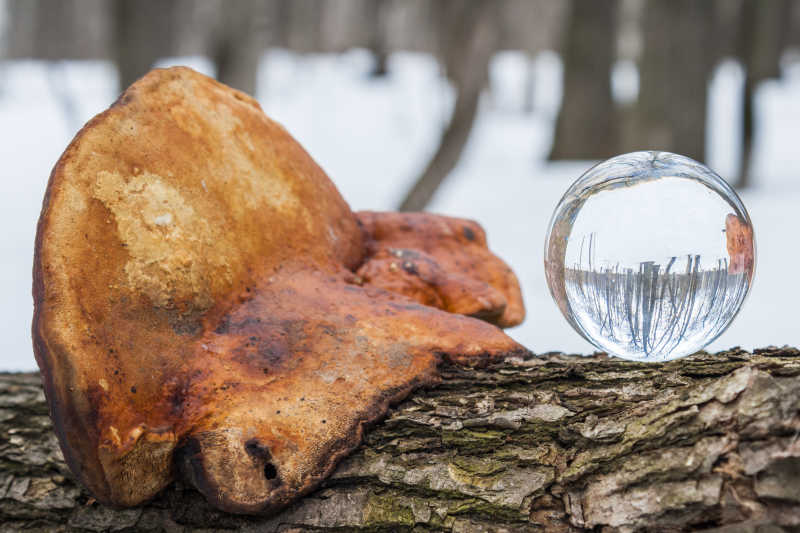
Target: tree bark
(553, 443)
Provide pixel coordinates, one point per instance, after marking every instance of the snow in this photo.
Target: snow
(373, 136)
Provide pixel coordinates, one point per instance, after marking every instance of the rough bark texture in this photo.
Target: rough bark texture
(555, 443)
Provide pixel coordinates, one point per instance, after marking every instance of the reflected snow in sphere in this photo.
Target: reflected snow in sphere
(650, 255)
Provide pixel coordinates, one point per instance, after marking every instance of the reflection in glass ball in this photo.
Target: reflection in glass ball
(650, 255)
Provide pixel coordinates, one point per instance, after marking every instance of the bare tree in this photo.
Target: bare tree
(468, 32)
(588, 124)
(763, 28)
(674, 68)
(55, 30)
(377, 13)
(232, 34)
(143, 32)
(304, 18)
(239, 40)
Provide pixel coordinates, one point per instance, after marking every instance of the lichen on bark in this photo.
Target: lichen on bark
(546, 443)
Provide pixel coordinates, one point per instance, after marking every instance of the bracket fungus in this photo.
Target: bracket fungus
(208, 307)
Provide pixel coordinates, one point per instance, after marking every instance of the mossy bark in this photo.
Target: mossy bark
(549, 443)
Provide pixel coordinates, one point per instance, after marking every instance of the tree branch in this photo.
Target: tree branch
(556, 443)
(469, 35)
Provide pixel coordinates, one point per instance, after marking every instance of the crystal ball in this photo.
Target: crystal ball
(650, 255)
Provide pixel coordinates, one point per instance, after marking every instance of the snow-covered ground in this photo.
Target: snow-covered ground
(374, 136)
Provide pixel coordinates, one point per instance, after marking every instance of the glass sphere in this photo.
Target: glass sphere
(649, 255)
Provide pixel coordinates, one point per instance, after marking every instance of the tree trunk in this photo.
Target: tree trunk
(232, 34)
(554, 443)
(763, 28)
(748, 121)
(241, 38)
(588, 124)
(55, 30)
(143, 33)
(377, 17)
(674, 70)
(469, 30)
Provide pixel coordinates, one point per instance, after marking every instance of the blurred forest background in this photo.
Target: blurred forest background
(632, 74)
(673, 45)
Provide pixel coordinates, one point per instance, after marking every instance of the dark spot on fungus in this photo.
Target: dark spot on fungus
(223, 326)
(185, 324)
(256, 449)
(133, 389)
(177, 398)
(468, 233)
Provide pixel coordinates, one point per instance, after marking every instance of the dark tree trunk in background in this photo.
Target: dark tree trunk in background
(143, 32)
(468, 33)
(377, 17)
(136, 33)
(748, 119)
(233, 35)
(238, 42)
(553, 443)
(55, 30)
(588, 123)
(674, 70)
(305, 20)
(763, 28)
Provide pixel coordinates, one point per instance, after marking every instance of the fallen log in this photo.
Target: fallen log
(552, 442)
